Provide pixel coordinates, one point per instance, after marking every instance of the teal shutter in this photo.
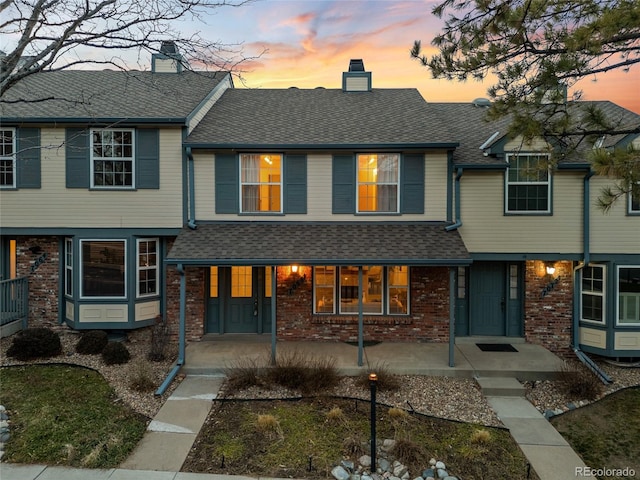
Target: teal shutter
(148, 158)
(295, 184)
(344, 179)
(412, 184)
(227, 183)
(77, 158)
(28, 158)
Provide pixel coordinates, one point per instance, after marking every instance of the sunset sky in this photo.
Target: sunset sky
(308, 43)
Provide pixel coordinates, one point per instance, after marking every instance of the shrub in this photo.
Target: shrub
(481, 435)
(298, 371)
(408, 452)
(336, 415)
(159, 341)
(141, 378)
(115, 353)
(92, 343)
(579, 382)
(242, 374)
(35, 343)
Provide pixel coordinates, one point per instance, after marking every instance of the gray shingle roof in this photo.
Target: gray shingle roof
(320, 117)
(90, 96)
(323, 243)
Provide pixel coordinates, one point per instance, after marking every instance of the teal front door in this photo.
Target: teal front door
(239, 300)
(487, 298)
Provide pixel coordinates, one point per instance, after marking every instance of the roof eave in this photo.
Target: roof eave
(316, 146)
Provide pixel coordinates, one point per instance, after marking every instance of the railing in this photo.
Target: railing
(14, 301)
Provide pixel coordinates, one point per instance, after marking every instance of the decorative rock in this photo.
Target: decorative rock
(366, 477)
(348, 465)
(440, 465)
(365, 460)
(429, 478)
(4, 437)
(442, 473)
(355, 476)
(432, 462)
(399, 470)
(450, 478)
(388, 444)
(418, 478)
(406, 476)
(339, 473)
(383, 464)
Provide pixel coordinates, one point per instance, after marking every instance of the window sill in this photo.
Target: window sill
(333, 319)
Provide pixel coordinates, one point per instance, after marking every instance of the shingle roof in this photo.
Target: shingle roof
(320, 117)
(90, 96)
(323, 243)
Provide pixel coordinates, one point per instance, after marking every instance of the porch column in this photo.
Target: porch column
(452, 314)
(360, 319)
(274, 296)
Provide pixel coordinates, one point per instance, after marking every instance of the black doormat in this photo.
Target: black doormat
(496, 347)
(365, 343)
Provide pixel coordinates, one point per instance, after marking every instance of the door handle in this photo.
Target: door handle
(502, 304)
(255, 307)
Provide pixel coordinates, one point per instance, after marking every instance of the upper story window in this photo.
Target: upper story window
(7, 157)
(112, 158)
(634, 200)
(378, 183)
(528, 184)
(261, 183)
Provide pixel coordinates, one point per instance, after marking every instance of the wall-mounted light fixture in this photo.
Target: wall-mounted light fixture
(550, 268)
(294, 268)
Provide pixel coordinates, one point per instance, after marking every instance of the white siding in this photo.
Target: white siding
(54, 205)
(319, 193)
(614, 231)
(165, 65)
(518, 144)
(487, 229)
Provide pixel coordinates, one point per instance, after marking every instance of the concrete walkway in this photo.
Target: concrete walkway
(546, 450)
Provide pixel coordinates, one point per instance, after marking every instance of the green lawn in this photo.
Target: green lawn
(66, 415)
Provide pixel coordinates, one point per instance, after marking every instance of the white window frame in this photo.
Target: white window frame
(387, 298)
(82, 295)
(140, 267)
(618, 322)
(132, 159)
(630, 209)
(333, 287)
(396, 184)
(602, 294)
(509, 183)
(259, 184)
(68, 267)
(11, 158)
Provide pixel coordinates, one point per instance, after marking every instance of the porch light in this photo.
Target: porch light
(294, 268)
(550, 268)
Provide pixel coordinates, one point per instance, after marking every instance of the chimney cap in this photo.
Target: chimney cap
(168, 47)
(356, 65)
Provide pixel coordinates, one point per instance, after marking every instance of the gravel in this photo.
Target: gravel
(446, 397)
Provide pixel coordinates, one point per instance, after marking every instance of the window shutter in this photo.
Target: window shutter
(344, 178)
(77, 158)
(148, 158)
(28, 158)
(412, 184)
(295, 184)
(226, 171)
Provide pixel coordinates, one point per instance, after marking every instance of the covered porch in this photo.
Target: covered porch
(215, 354)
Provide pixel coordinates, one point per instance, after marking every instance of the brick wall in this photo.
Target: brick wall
(42, 270)
(428, 319)
(548, 306)
(195, 302)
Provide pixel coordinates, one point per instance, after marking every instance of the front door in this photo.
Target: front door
(487, 295)
(239, 300)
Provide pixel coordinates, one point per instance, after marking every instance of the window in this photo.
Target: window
(147, 273)
(386, 290)
(592, 295)
(513, 282)
(462, 282)
(268, 279)
(634, 199)
(213, 282)
(398, 290)
(103, 268)
(528, 184)
(261, 183)
(68, 267)
(112, 159)
(241, 282)
(629, 295)
(378, 183)
(8, 157)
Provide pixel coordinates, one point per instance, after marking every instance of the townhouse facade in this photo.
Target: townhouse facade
(350, 214)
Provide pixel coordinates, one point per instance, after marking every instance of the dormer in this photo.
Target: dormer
(356, 79)
(168, 60)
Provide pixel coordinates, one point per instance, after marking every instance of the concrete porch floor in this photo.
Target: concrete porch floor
(216, 353)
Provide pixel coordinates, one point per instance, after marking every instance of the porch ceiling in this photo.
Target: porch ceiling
(330, 243)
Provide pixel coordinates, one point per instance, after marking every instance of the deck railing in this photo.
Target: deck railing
(14, 301)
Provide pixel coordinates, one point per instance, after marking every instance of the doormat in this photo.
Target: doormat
(366, 343)
(496, 347)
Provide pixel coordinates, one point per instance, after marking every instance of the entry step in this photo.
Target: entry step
(501, 387)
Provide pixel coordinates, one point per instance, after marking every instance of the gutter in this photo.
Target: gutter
(458, 223)
(181, 335)
(191, 220)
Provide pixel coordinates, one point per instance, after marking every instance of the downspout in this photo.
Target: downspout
(191, 221)
(586, 240)
(458, 223)
(181, 334)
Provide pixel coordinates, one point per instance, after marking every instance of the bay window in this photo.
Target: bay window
(629, 295)
(147, 271)
(593, 294)
(103, 264)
